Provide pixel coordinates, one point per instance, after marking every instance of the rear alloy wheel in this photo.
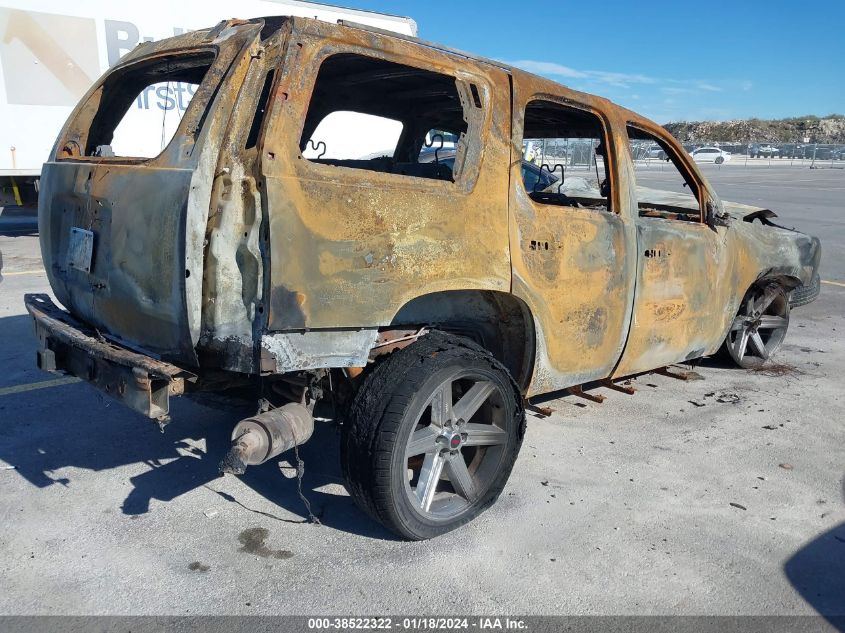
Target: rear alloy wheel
(432, 436)
(720, 160)
(760, 327)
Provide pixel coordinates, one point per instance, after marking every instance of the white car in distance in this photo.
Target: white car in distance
(710, 155)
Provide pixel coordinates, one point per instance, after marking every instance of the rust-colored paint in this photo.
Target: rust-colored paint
(211, 246)
(357, 245)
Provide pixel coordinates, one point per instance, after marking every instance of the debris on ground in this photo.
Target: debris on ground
(543, 412)
(777, 370)
(737, 505)
(786, 466)
(728, 398)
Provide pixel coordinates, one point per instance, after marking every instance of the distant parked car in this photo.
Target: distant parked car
(790, 150)
(656, 152)
(762, 151)
(820, 152)
(710, 155)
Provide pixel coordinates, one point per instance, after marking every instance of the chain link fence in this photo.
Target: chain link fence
(753, 153)
(580, 155)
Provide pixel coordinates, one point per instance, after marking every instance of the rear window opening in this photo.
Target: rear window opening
(564, 157)
(141, 107)
(371, 114)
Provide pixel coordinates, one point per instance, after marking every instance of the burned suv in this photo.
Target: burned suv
(285, 234)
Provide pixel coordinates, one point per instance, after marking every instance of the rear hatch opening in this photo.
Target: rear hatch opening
(128, 187)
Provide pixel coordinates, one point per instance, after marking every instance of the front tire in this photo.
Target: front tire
(759, 328)
(432, 436)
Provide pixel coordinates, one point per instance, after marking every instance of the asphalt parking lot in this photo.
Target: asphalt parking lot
(717, 496)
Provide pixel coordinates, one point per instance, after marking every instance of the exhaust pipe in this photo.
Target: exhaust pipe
(266, 435)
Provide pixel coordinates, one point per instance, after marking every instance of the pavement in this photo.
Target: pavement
(721, 496)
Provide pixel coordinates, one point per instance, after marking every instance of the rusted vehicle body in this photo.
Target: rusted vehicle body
(430, 298)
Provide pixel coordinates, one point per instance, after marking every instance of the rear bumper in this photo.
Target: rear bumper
(139, 381)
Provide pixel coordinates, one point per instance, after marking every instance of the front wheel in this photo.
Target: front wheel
(760, 327)
(719, 160)
(432, 436)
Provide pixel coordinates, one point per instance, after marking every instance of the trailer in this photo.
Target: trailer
(52, 51)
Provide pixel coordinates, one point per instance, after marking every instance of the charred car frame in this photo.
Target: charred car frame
(431, 297)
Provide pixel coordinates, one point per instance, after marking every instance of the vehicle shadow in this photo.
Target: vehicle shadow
(45, 431)
(17, 230)
(817, 572)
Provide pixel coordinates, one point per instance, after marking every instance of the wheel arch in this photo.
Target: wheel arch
(785, 280)
(498, 321)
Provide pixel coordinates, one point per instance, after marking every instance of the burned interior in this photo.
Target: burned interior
(411, 102)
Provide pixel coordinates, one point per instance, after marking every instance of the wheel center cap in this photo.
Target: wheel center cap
(455, 441)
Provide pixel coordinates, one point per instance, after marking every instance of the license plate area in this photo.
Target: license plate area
(80, 249)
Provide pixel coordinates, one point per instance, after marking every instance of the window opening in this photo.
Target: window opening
(564, 159)
(381, 116)
(664, 187)
(134, 117)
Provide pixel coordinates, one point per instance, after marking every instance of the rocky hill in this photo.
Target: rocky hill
(829, 129)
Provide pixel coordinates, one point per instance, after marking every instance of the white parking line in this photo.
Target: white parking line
(833, 283)
(68, 380)
(24, 272)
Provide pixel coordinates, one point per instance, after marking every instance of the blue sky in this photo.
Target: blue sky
(669, 60)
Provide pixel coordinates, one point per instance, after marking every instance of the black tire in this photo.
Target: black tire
(802, 295)
(375, 444)
(719, 160)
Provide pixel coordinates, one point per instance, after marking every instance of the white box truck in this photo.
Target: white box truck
(51, 51)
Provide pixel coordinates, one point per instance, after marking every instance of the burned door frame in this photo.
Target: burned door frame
(351, 247)
(677, 262)
(581, 289)
(236, 253)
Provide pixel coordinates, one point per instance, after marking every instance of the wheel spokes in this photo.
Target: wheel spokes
(441, 405)
(422, 441)
(434, 451)
(739, 323)
(484, 435)
(759, 345)
(750, 307)
(741, 343)
(459, 477)
(472, 400)
(429, 478)
(770, 322)
(765, 300)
